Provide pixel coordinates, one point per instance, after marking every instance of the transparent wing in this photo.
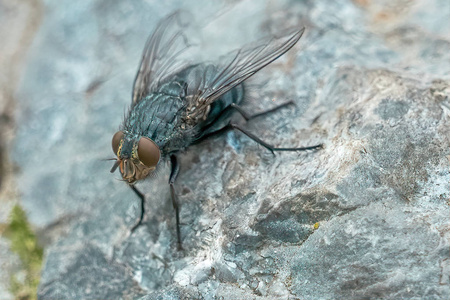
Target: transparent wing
(161, 53)
(240, 65)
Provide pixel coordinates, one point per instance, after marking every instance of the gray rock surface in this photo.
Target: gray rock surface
(366, 217)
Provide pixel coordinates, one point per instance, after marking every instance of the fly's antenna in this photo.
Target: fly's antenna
(114, 167)
(108, 159)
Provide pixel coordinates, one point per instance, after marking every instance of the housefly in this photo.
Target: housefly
(176, 104)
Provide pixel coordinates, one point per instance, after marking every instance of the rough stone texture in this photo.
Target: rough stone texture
(367, 217)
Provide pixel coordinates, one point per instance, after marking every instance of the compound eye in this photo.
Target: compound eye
(118, 136)
(148, 152)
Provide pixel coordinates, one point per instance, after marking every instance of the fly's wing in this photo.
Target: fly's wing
(238, 67)
(160, 57)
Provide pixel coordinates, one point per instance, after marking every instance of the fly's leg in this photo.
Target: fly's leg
(173, 176)
(142, 198)
(249, 117)
(258, 140)
(266, 145)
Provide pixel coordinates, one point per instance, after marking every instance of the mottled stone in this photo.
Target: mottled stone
(366, 217)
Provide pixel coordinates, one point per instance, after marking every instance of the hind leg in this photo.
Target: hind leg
(247, 116)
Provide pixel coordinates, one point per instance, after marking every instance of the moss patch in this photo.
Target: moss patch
(24, 283)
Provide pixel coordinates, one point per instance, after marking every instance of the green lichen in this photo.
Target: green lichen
(24, 283)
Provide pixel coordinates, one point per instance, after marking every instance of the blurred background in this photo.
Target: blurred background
(67, 69)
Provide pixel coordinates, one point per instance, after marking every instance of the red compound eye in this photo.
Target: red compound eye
(148, 152)
(118, 136)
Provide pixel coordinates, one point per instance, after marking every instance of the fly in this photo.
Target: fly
(176, 104)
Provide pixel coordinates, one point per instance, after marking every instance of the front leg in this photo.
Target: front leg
(142, 198)
(173, 176)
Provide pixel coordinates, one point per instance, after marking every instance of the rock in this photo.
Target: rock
(366, 217)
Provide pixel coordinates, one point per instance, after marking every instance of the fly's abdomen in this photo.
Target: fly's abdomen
(220, 112)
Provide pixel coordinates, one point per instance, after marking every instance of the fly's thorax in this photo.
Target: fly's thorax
(137, 157)
(156, 116)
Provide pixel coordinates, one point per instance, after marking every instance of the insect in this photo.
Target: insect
(176, 104)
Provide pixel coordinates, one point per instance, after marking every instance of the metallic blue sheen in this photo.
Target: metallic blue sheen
(160, 115)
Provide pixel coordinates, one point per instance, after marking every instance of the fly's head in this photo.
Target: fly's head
(136, 157)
